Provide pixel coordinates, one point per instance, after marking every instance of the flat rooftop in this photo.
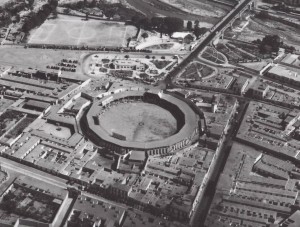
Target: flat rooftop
(283, 71)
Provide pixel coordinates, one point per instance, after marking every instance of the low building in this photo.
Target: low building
(285, 74)
(240, 84)
(183, 37)
(129, 65)
(258, 90)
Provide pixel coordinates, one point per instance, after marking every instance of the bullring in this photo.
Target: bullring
(146, 120)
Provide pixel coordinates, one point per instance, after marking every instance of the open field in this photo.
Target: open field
(38, 58)
(68, 30)
(139, 122)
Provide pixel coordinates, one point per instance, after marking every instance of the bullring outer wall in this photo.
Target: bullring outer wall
(187, 134)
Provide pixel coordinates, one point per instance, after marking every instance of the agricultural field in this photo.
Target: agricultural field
(68, 30)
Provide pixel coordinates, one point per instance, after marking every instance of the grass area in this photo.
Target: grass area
(8, 119)
(121, 73)
(164, 46)
(4, 103)
(160, 64)
(68, 30)
(19, 127)
(233, 53)
(196, 71)
(213, 55)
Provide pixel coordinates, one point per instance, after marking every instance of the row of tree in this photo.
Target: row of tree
(167, 25)
(272, 43)
(37, 17)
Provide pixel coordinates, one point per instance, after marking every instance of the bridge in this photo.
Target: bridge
(215, 31)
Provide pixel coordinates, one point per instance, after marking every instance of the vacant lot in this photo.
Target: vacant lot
(67, 30)
(139, 122)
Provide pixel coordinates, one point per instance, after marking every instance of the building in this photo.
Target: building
(129, 65)
(258, 90)
(285, 74)
(183, 37)
(186, 114)
(240, 84)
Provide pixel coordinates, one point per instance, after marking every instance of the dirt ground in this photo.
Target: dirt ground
(139, 122)
(19, 56)
(258, 28)
(70, 30)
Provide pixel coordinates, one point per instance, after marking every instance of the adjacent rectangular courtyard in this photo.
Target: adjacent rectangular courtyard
(69, 30)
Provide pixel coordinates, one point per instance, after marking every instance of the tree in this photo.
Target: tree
(66, 10)
(189, 25)
(144, 23)
(157, 22)
(145, 35)
(270, 43)
(263, 14)
(173, 24)
(196, 24)
(135, 19)
(199, 31)
(109, 12)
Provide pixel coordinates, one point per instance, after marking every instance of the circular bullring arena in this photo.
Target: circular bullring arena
(153, 121)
